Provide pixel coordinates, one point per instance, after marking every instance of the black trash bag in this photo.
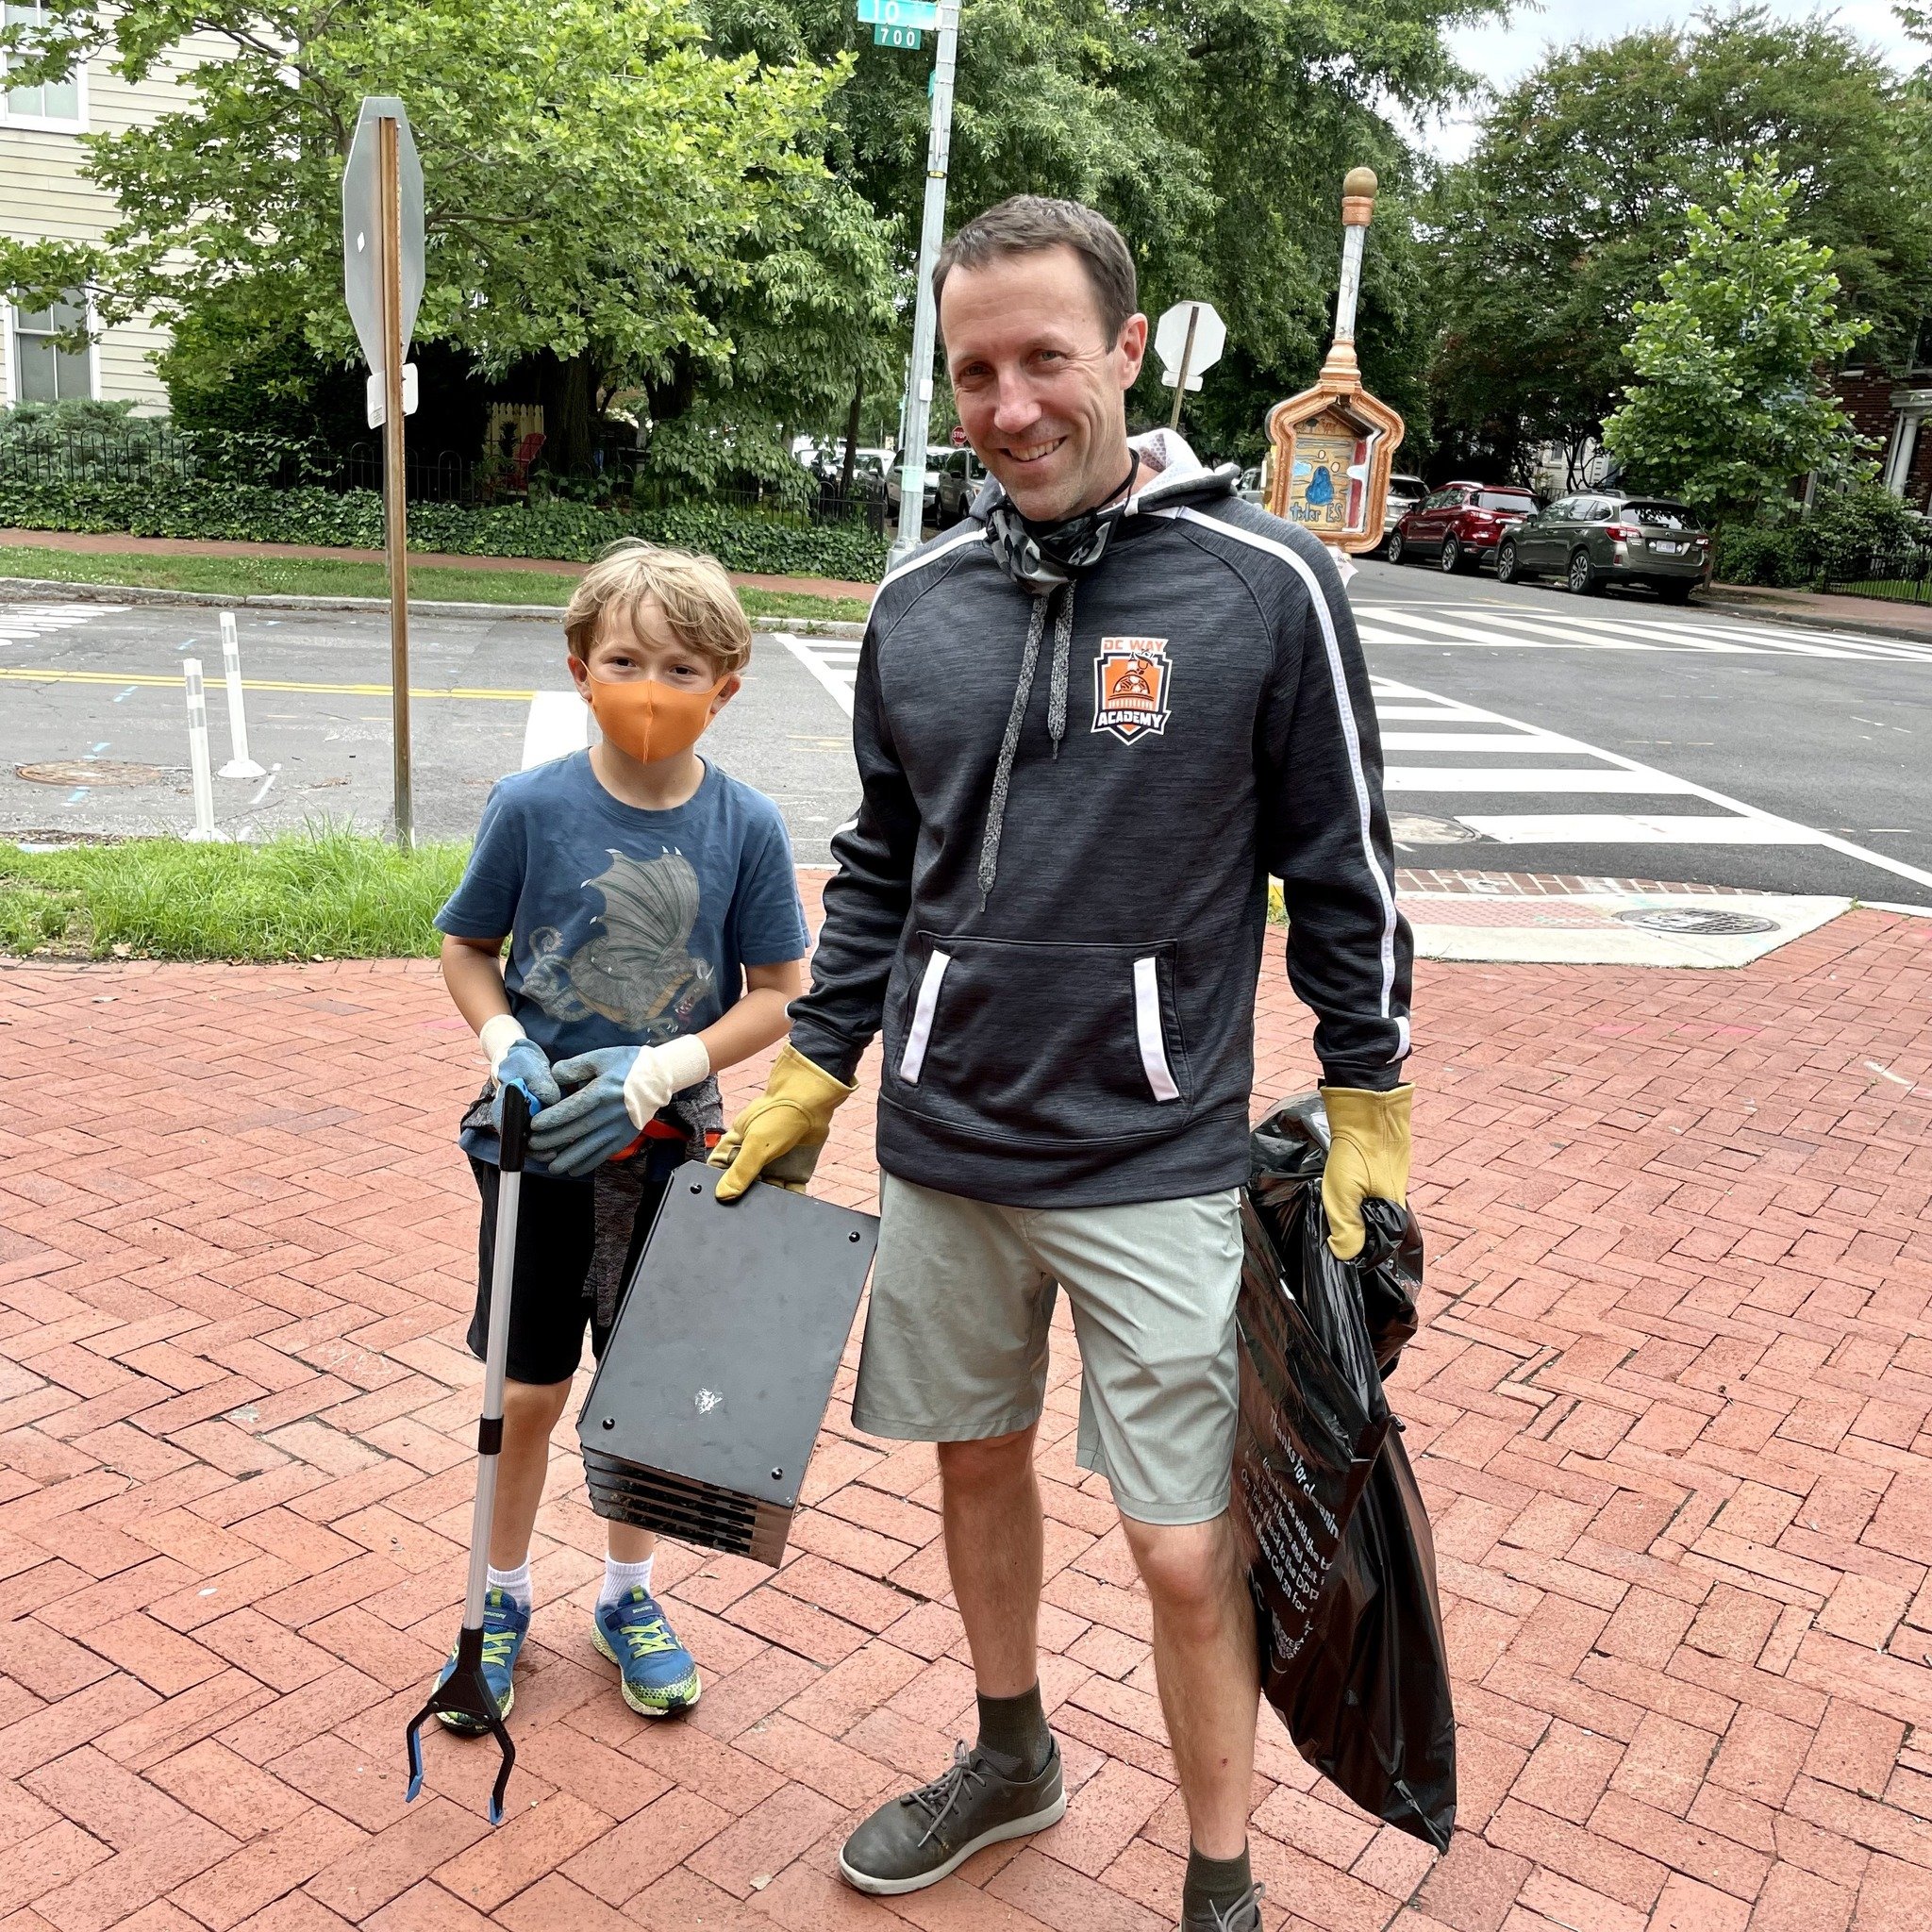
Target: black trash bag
(1288, 1149)
(1341, 1565)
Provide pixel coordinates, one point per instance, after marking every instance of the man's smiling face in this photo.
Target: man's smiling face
(1040, 389)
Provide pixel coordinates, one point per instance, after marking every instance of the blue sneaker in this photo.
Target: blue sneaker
(506, 1623)
(660, 1677)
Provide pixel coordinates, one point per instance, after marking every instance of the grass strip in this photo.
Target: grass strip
(332, 576)
(321, 894)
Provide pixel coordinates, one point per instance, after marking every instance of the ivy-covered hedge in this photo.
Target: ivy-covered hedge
(568, 532)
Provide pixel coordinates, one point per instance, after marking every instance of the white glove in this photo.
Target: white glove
(659, 1072)
(496, 1036)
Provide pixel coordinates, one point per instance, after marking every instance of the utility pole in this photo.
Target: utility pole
(917, 413)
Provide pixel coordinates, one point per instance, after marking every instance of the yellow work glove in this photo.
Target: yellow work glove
(780, 1133)
(1368, 1159)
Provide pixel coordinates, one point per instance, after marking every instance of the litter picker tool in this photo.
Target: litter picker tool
(463, 1694)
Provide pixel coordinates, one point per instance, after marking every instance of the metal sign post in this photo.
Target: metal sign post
(918, 411)
(383, 275)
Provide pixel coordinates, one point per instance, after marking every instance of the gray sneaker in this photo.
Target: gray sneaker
(914, 1841)
(1244, 1915)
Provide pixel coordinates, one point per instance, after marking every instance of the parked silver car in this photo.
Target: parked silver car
(1605, 537)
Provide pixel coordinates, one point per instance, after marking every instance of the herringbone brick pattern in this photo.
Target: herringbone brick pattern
(1671, 1409)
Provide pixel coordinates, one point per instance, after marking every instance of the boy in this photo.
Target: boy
(635, 883)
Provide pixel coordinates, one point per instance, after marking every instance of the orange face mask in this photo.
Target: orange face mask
(648, 719)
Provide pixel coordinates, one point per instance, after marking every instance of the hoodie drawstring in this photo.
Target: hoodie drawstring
(1055, 718)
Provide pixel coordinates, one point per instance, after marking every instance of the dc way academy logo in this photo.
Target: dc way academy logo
(1131, 677)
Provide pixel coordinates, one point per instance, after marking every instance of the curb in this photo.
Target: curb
(1715, 598)
(148, 593)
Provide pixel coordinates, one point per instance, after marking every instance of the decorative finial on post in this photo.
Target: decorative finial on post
(1357, 209)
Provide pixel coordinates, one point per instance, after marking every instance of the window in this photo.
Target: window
(54, 102)
(1661, 516)
(44, 371)
(1517, 502)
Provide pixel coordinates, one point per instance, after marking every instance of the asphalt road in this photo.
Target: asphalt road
(1525, 730)
(93, 710)
(1826, 733)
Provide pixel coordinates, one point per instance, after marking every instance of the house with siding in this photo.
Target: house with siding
(45, 196)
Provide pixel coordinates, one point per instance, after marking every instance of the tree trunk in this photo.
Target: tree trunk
(568, 391)
(852, 433)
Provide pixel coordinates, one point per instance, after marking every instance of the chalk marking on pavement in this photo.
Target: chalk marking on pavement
(273, 770)
(1886, 1074)
(127, 693)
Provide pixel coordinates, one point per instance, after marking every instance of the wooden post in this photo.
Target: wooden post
(394, 477)
(1180, 388)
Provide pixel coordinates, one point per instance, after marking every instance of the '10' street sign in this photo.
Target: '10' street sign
(912, 13)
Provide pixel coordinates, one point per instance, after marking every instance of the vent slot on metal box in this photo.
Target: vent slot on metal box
(715, 1382)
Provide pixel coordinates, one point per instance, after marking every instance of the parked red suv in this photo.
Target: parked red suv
(1461, 524)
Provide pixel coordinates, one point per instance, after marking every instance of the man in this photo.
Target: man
(1089, 725)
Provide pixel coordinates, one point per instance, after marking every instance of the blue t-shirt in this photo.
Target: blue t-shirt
(627, 927)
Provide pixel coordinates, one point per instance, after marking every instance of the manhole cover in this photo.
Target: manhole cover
(1418, 828)
(90, 771)
(1698, 919)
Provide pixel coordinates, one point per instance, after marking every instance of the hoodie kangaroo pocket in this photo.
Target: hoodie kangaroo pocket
(1028, 1041)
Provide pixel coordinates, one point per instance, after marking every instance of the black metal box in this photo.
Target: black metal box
(715, 1379)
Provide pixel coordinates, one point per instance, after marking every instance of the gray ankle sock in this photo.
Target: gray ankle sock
(1212, 1885)
(1013, 1733)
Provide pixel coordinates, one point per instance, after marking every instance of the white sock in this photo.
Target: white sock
(514, 1583)
(619, 1578)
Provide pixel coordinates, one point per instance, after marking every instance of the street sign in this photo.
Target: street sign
(382, 280)
(920, 13)
(1189, 339)
(959, 436)
(362, 226)
(897, 37)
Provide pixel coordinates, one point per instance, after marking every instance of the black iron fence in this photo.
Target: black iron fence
(1899, 568)
(150, 455)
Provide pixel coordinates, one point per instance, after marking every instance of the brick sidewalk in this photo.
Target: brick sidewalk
(1671, 1409)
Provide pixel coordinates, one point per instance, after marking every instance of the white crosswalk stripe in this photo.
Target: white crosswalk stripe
(834, 661)
(19, 622)
(1487, 628)
(1490, 738)
(1500, 748)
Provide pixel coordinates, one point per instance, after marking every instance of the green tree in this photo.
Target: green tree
(1729, 404)
(1215, 132)
(1576, 196)
(601, 184)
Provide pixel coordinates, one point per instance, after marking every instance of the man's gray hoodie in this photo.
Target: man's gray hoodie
(1054, 897)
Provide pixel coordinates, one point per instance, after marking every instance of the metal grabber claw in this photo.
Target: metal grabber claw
(463, 1694)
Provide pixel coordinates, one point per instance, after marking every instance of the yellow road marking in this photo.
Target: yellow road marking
(21, 675)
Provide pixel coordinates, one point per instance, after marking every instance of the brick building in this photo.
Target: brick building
(1890, 404)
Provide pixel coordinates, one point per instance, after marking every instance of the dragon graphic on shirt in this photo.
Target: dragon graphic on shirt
(636, 968)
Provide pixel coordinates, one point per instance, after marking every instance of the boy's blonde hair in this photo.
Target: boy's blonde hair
(692, 591)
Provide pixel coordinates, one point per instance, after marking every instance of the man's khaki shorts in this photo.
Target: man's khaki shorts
(956, 1340)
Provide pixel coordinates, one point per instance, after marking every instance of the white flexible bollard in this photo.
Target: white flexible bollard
(241, 765)
(204, 832)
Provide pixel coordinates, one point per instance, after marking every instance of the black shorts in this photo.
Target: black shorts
(549, 1309)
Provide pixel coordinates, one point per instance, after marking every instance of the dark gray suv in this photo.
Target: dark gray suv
(1603, 536)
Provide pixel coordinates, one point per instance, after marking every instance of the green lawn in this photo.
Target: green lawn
(328, 576)
(321, 894)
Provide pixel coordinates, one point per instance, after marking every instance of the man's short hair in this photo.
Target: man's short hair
(693, 592)
(1027, 223)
